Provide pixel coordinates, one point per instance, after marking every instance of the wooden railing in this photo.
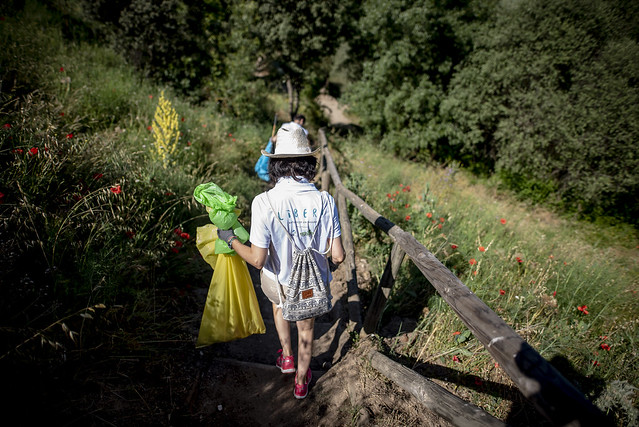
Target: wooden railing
(551, 394)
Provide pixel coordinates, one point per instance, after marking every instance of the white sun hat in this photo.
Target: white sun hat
(291, 142)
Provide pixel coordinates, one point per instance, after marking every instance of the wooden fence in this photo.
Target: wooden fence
(551, 394)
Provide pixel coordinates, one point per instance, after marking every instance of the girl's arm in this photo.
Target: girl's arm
(337, 251)
(251, 254)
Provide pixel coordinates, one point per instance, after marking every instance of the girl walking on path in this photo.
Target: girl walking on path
(293, 213)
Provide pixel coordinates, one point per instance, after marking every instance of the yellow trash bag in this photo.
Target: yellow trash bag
(231, 309)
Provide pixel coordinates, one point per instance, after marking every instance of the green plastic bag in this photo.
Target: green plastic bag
(222, 213)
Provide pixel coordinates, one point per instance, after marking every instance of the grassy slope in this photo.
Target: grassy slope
(531, 266)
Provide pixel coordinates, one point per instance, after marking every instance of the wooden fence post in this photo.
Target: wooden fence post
(384, 288)
(325, 175)
(354, 306)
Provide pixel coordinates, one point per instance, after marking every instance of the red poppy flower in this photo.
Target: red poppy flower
(178, 243)
(33, 151)
(456, 333)
(407, 218)
(117, 189)
(62, 69)
(472, 261)
(7, 126)
(442, 220)
(182, 118)
(502, 292)
(595, 363)
(17, 150)
(186, 236)
(554, 294)
(61, 114)
(456, 359)
(233, 139)
(482, 249)
(429, 215)
(454, 246)
(149, 128)
(188, 143)
(69, 135)
(388, 195)
(519, 260)
(407, 205)
(175, 250)
(97, 175)
(401, 185)
(439, 226)
(408, 188)
(605, 346)
(230, 135)
(503, 221)
(1, 197)
(168, 193)
(583, 308)
(178, 230)
(150, 96)
(77, 197)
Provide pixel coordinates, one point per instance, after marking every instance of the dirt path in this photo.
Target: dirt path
(335, 112)
(238, 383)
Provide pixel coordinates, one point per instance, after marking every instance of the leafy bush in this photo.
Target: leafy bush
(549, 95)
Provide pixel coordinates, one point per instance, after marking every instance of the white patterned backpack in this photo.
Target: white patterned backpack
(307, 294)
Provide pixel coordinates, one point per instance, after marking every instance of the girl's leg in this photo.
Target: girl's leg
(304, 348)
(283, 331)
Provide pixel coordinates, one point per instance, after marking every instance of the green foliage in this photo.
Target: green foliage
(87, 214)
(405, 54)
(175, 41)
(291, 39)
(549, 95)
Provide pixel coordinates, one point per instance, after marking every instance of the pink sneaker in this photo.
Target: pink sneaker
(301, 390)
(286, 364)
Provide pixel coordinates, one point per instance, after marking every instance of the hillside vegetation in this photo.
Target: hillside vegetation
(97, 240)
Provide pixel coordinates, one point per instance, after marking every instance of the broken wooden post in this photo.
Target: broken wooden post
(384, 288)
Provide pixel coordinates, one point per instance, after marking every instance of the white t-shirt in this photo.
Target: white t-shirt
(299, 206)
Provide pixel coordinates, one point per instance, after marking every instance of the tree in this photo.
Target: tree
(295, 37)
(402, 59)
(549, 100)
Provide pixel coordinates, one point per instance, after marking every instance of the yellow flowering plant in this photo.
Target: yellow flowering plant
(165, 131)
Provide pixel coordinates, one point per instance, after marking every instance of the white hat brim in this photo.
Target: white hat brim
(284, 156)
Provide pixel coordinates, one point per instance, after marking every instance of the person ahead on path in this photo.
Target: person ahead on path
(300, 120)
(293, 206)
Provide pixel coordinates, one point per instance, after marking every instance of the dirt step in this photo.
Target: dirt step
(266, 398)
